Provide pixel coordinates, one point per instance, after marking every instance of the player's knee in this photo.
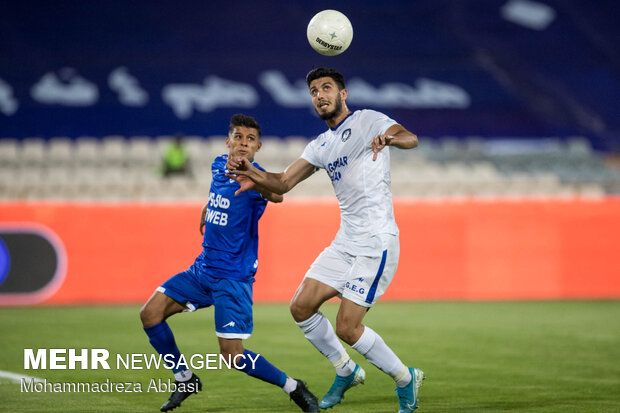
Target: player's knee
(342, 332)
(144, 316)
(149, 316)
(230, 350)
(300, 312)
(346, 333)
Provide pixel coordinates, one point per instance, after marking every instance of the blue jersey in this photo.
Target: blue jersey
(230, 244)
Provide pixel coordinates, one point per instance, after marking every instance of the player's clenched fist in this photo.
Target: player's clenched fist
(239, 169)
(237, 163)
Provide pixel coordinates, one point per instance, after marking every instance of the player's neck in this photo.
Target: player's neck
(335, 121)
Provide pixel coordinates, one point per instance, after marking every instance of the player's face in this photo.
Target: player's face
(326, 97)
(243, 141)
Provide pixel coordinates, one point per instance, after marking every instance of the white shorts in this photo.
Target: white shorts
(361, 279)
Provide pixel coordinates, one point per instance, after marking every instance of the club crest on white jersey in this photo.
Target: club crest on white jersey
(346, 134)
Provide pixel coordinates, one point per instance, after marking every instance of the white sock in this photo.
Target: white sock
(319, 331)
(403, 377)
(372, 346)
(346, 369)
(184, 375)
(290, 385)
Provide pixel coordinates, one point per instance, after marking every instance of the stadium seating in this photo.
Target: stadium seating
(126, 169)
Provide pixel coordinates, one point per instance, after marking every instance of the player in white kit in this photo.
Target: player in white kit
(362, 259)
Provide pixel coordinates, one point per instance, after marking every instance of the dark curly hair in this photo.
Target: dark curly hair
(243, 120)
(319, 72)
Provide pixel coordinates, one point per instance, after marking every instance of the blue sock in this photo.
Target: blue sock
(263, 369)
(162, 339)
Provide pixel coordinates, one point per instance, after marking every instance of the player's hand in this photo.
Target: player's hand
(245, 182)
(237, 164)
(378, 143)
(239, 169)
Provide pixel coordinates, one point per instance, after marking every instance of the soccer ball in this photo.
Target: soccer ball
(330, 32)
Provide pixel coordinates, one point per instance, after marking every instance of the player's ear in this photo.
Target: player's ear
(228, 142)
(344, 94)
(259, 146)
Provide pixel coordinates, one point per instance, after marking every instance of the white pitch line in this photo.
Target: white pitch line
(16, 377)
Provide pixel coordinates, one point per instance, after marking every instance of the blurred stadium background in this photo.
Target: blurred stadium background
(509, 98)
(513, 193)
(515, 103)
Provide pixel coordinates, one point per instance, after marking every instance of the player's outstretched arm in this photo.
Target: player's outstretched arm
(278, 183)
(247, 184)
(271, 196)
(396, 136)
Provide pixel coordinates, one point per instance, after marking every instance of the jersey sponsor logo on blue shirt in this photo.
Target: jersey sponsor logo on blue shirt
(217, 217)
(231, 239)
(218, 201)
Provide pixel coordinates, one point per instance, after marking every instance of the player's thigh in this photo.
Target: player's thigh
(371, 275)
(233, 309)
(158, 308)
(188, 289)
(310, 295)
(330, 268)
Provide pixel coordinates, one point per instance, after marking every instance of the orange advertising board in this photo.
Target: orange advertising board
(473, 249)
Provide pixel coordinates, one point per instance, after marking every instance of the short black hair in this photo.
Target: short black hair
(319, 72)
(243, 120)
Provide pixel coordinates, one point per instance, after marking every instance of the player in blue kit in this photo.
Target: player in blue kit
(360, 263)
(222, 276)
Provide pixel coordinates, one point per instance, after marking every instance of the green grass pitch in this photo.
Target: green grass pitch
(478, 357)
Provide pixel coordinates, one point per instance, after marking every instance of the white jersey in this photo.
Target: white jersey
(361, 185)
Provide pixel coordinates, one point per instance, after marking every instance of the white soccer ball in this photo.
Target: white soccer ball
(330, 32)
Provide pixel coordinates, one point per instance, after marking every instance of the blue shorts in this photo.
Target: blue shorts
(232, 299)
